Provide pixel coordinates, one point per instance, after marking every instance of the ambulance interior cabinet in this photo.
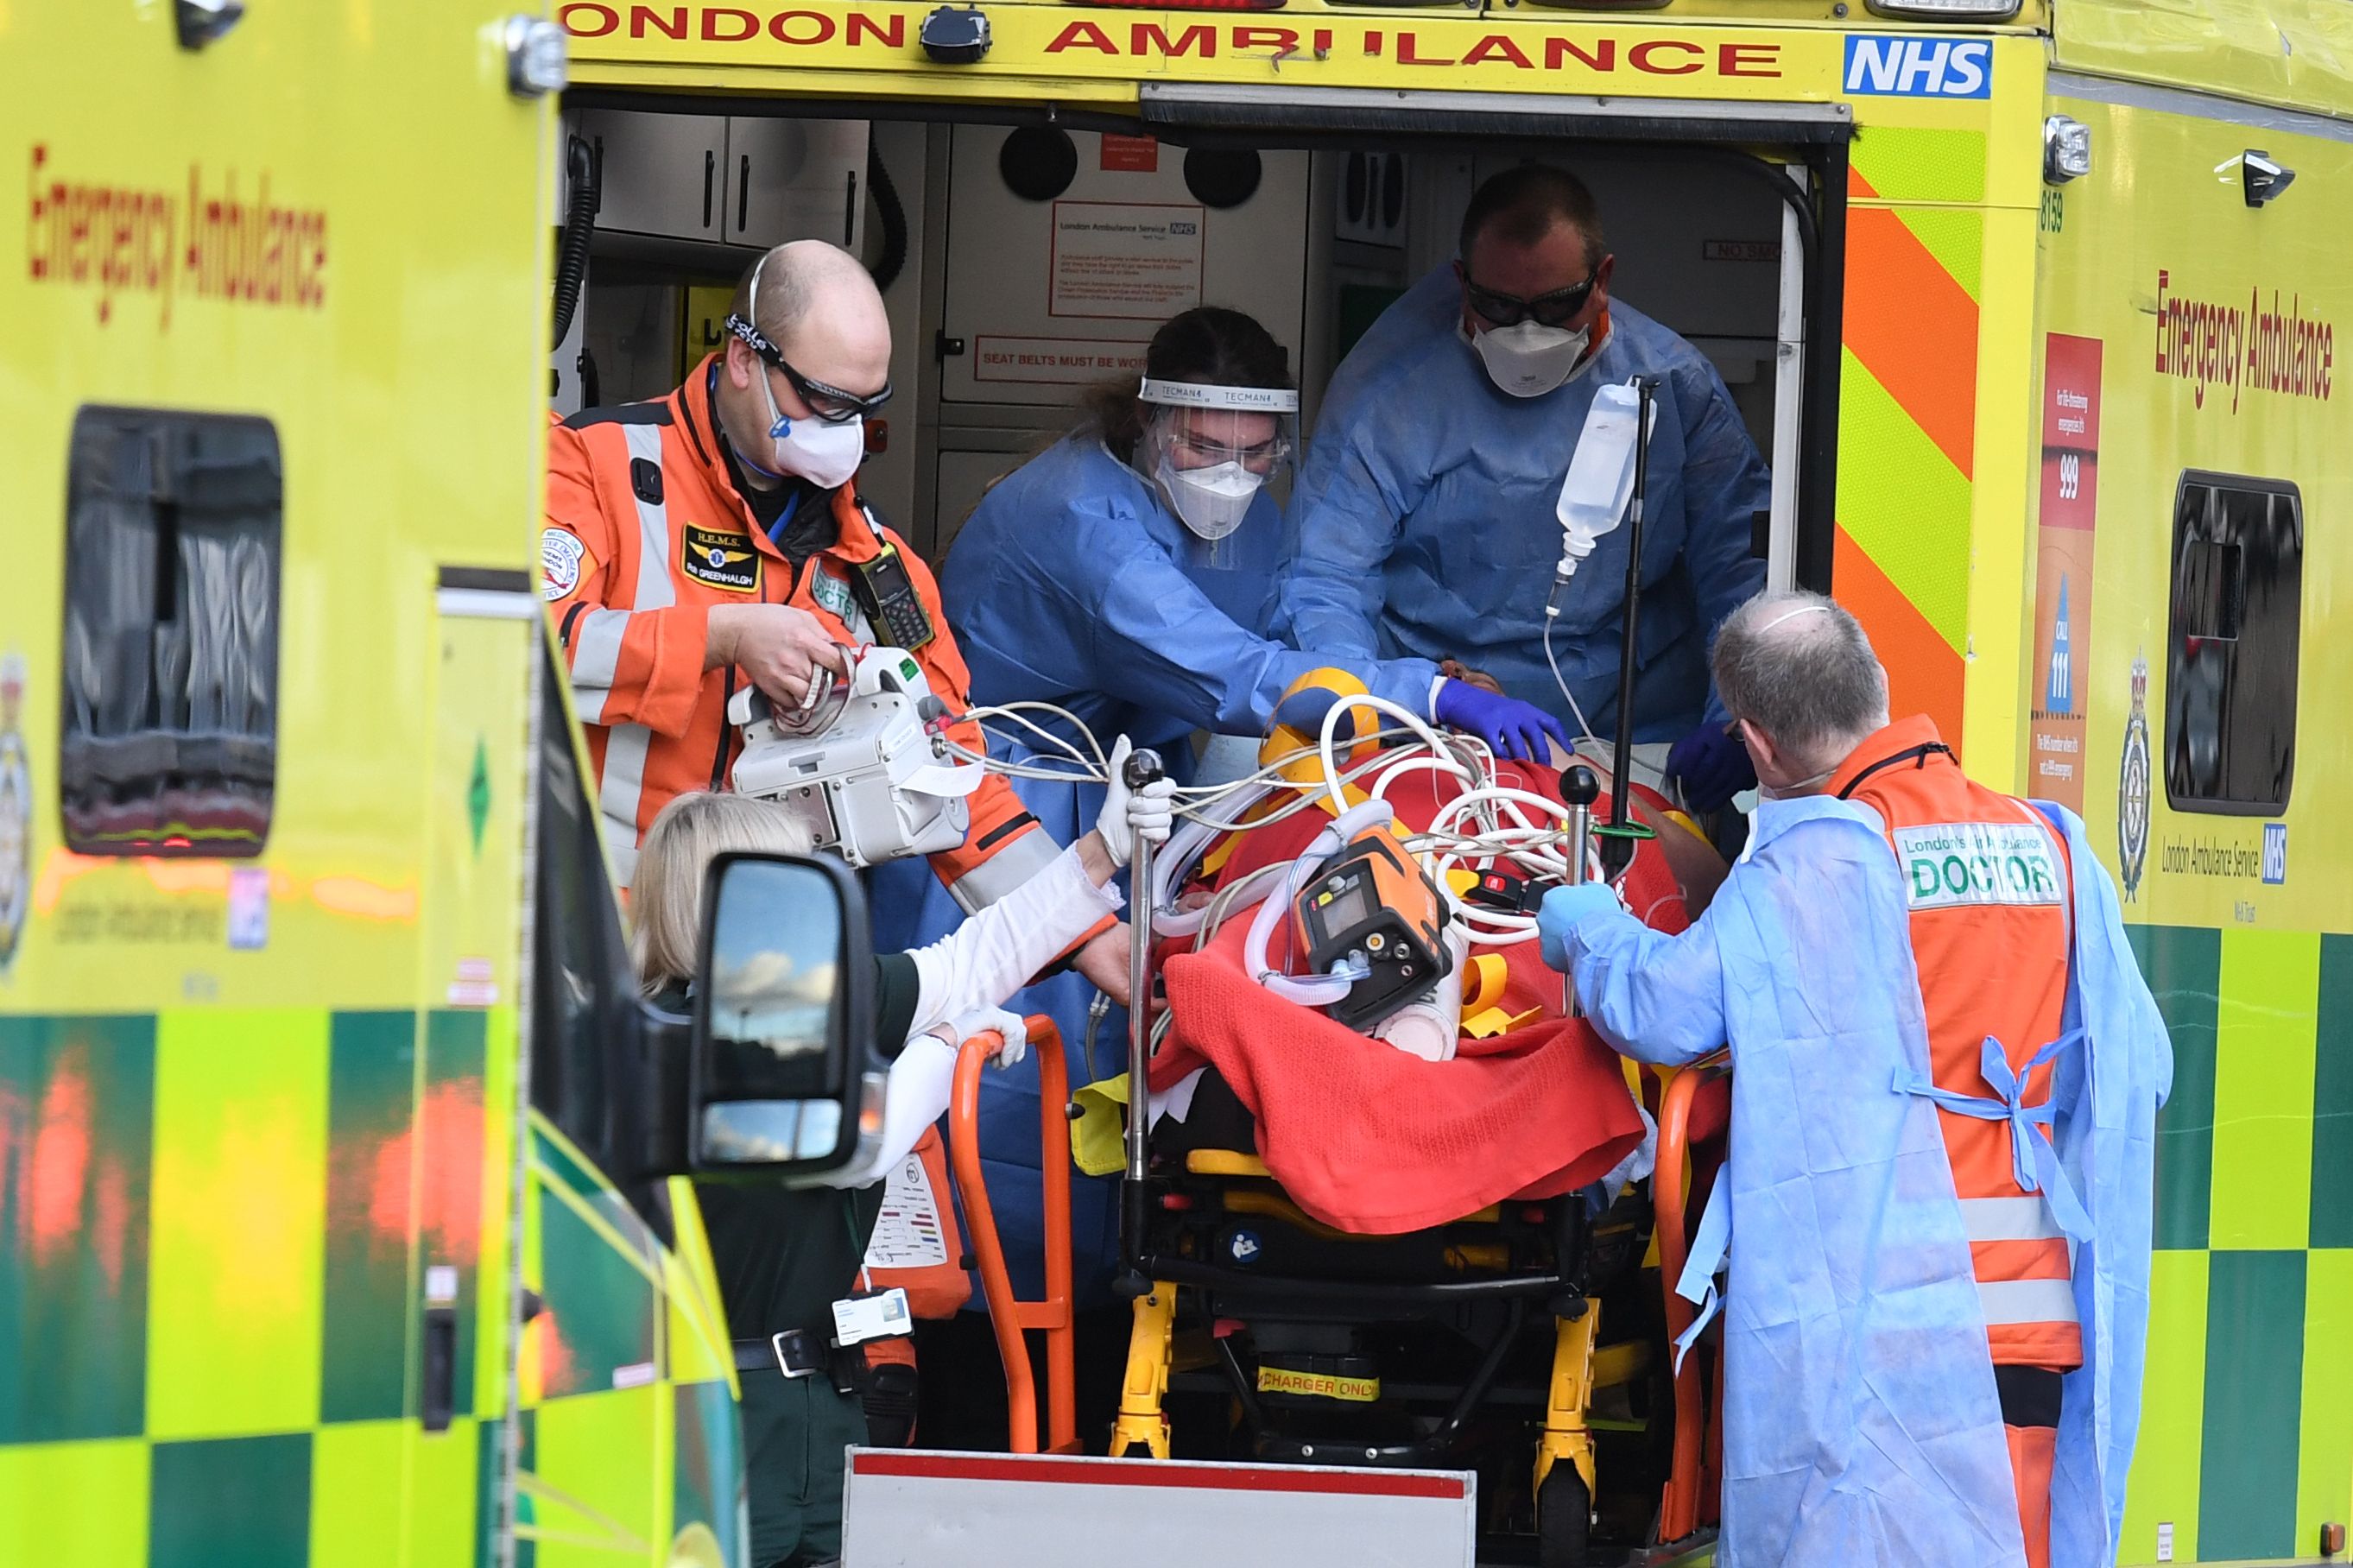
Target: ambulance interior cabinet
(733, 180)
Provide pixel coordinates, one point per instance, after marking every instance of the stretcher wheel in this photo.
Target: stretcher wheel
(1564, 1518)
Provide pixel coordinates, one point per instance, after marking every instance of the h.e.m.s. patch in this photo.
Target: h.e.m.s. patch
(721, 560)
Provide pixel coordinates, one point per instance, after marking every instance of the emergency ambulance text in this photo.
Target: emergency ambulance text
(2208, 343)
(210, 243)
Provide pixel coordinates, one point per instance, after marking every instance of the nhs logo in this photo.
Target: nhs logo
(1883, 66)
(2274, 866)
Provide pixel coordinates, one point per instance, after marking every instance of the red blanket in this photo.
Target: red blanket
(1368, 1139)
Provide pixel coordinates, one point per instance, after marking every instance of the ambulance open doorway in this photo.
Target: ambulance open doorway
(1029, 253)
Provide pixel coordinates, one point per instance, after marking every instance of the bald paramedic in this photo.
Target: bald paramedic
(1427, 510)
(714, 539)
(1946, 1072)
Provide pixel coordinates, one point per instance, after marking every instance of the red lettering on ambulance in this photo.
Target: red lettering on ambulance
(1638, 57)
(1082, 34)
(824, 25)
(608, 20)
(1282, 40)
(1147, 34)
(1602, 56)
(1373, 41)
(1734, 59)
(642, 18)
(1495, 45)
(891, 32)
(748, 22)
(1407, 57)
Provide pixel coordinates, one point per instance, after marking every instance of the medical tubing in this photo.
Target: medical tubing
(1378, 705)
(1316, 990)
(579, 228)
(1552, 613)
(1242, 893)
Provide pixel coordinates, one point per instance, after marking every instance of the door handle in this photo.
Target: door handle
(744, 195)
(710, 168)
(849, 214)
(436, 1402)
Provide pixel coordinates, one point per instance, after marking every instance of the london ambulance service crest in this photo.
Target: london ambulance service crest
(16, 813)
(2133, 784)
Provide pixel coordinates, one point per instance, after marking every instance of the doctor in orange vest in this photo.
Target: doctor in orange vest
(1983, 972)
(714, 537)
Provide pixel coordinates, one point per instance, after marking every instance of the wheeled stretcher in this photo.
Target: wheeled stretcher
(1342, 1253)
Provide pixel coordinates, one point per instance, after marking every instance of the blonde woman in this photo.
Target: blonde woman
(785, 1255)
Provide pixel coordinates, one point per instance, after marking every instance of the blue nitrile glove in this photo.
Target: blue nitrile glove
(1562, 909)
(1516, 730)
(1303, 710)
(1714, 766)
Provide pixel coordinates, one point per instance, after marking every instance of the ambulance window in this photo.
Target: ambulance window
(582, 996)
(2231, 646)
(168, 741)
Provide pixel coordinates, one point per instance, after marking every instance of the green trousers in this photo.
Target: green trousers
(794, 1430)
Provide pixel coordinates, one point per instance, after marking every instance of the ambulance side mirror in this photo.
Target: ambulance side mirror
(782, 1064)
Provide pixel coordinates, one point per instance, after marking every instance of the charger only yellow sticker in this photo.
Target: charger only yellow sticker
(1318, 1385)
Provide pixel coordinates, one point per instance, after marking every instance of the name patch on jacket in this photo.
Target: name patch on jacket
(830, 593)
(1950, 864)
(722, 560)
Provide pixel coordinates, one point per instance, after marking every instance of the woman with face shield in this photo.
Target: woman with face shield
(1127, 575)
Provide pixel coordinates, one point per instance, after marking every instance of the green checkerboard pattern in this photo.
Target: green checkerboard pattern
(2246, 1442)
(216, 1229)
(212, 1229)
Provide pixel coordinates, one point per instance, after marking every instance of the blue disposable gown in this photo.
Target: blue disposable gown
(1427, 523)
(1073, 583)
(1860, 1422)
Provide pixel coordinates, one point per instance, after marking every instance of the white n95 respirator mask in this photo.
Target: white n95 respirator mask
(1531, 359)
(826, 455)
(1211, 501)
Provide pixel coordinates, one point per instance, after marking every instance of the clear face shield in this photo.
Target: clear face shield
(1210, 449)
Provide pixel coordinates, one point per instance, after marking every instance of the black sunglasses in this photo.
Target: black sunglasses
(831, 404)
(1556, 309)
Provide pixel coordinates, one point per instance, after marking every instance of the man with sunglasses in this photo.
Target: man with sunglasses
(1426, 508)
(714, 537)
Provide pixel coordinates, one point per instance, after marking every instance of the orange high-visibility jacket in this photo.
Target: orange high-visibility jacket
(645, 535)
(1989, 889)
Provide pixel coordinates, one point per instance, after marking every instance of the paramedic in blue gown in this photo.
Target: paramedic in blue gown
(1127, 575)
(1425, 510)
(1871, 1413)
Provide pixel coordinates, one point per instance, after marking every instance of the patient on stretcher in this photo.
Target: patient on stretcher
(1382, 1119)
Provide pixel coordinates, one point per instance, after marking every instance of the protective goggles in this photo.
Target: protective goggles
(831, 404)
(1200, 443)
(1556, 309)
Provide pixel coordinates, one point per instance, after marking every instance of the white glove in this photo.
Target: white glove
(979, 1020)
(1129, 814)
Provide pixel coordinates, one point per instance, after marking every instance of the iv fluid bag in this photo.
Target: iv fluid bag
(1600, 475)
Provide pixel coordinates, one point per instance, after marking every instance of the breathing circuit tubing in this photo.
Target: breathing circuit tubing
(1490, 819)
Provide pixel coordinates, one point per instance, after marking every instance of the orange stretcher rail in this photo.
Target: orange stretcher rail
(1679, 1506)
(1010, 1317)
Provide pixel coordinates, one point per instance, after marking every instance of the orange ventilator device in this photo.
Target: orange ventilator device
(1372, 907)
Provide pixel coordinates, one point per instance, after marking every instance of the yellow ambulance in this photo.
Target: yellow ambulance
(318, 1232)
(335, 1225)
(2030, 305)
